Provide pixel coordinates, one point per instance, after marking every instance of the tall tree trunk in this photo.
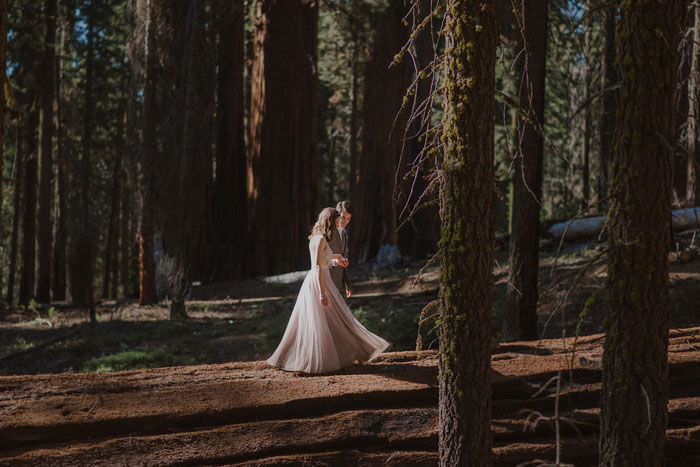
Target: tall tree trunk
(58, 285)
(374, 210)
(520, 321)
(147, 265)
(112, 250)
(466, 243)
(587, 112)
(4, 5)
(692, 195)
(44, 230)
(608, 79)
(19, 174)
(27, 280)
(83, 254)
(283, 172)
(635, 368)
(230, 214)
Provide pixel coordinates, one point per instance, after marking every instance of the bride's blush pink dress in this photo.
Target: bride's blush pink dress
(319, 338)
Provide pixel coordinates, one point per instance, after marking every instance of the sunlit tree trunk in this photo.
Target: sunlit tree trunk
(635, 368)
(466, 243)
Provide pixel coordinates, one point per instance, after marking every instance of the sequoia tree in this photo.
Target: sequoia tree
(635, 368)
(466, 243)
(283, 170)
(521, 317)
(374, 208)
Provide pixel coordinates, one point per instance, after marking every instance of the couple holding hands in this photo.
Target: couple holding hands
(322, 334)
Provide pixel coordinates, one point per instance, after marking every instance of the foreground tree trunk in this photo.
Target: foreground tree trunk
(374, 209)
(635, 368)
(4, 4)
(283, 181)
(466, 242)
(44, 230)
(230, 211)
(520, 321)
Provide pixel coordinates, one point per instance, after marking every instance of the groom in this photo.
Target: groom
(339, 245)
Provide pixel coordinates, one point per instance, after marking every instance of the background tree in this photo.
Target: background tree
(46, 126)
(282, 158)
(521, 317)
(374, 206)
(635, 370)
(466, 243)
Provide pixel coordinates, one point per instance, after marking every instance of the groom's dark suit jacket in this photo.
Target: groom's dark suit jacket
(339, 274)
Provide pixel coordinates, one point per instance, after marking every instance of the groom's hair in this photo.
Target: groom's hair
(343, 206)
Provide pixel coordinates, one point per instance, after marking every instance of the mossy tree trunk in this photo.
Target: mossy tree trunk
(635, 368)
(520, 321)
(466, 243)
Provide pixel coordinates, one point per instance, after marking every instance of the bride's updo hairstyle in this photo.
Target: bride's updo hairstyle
(326, 224)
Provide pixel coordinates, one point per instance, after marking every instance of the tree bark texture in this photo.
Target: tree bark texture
(520, 321)
(44, 224)
(283, 169)
(111, 272)
(230, 211)
(635, 368)
(466, 243)
(375, 211)
(4, 5)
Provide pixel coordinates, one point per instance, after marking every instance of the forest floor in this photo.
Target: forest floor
(195, 392)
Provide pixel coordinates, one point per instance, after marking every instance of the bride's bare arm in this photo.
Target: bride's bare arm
(321, 283)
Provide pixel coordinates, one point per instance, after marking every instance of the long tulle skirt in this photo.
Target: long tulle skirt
(320, 339)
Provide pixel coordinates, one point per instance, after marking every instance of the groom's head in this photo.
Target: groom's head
(345, 214)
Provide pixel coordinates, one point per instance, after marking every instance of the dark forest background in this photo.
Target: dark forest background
(149, 144)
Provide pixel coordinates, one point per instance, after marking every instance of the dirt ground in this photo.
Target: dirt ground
(236, 412)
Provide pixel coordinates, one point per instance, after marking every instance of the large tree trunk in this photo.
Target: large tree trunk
(82, 260)
(587, 111)
(230, 211)
(19, 174)
(692, 195)
(635, 368)
(184, 217)
(354, 106)
(147, 265)
(608, 79)
(520, 321)
(43, 238)
(58, 285)
(466, 243)
(27, 280)
(283, 172)
(3, 104)
(374, 209)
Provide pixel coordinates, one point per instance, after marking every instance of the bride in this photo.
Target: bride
(322, 334)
